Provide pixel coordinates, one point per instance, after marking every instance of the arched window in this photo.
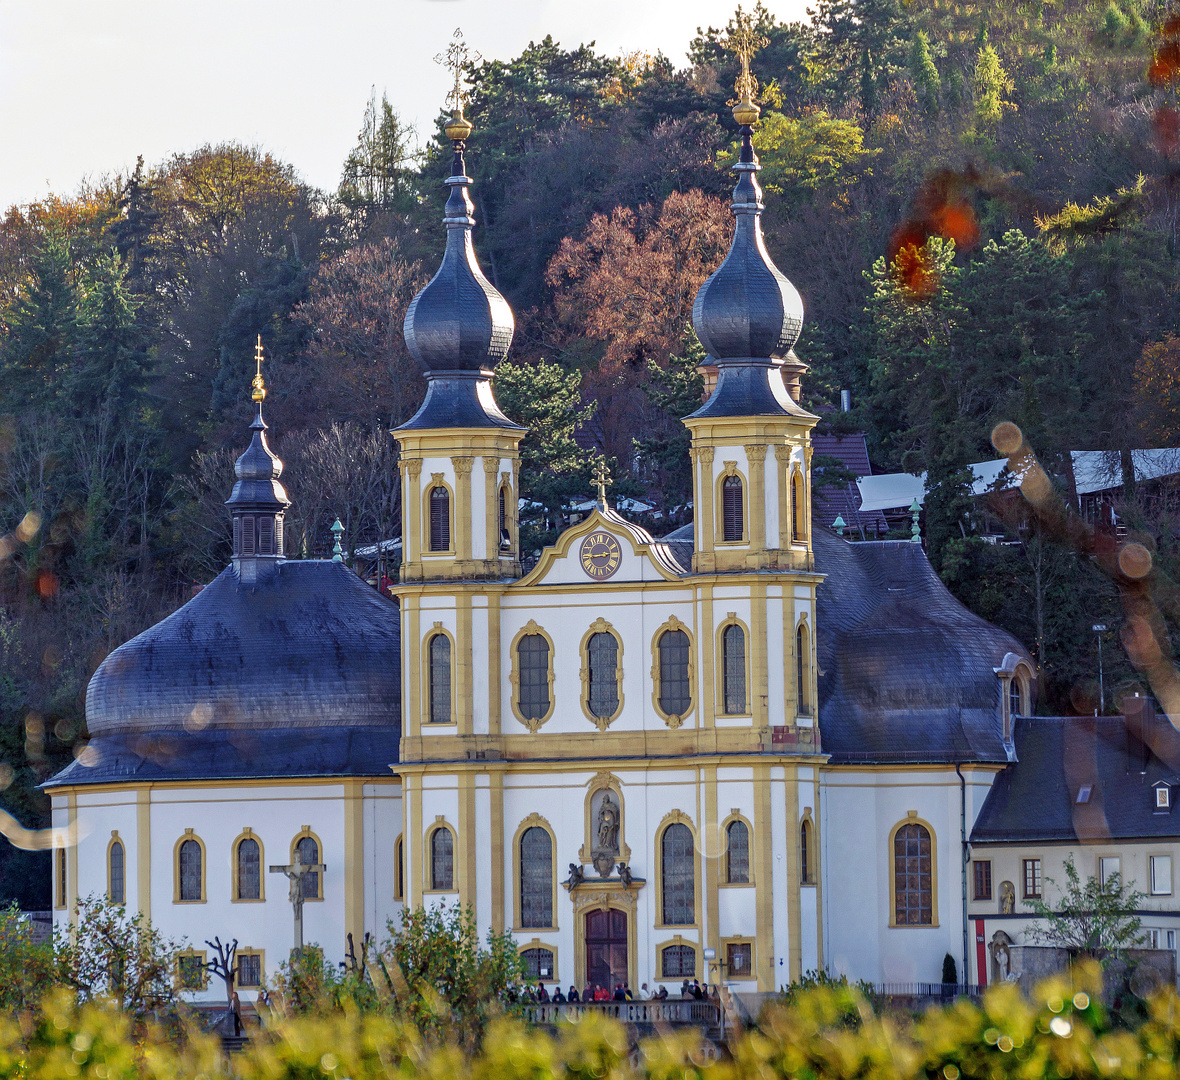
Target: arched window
(675, 691)
(442, 859)
(678, 962)
(538, 965)
(117, 890)
(536, 878)
(603, 659)
(731, 508)
(440, 518)
(505, 535)
(190, 870)
(733, 649)
(309, 854)
(1014, 697)
(399, 870)
(533, 655)
(798, 518)
(737, 853)
(678, 866)
(440, 679)
(913, 876)
(805, 852)
(249, 870)
(802, 657)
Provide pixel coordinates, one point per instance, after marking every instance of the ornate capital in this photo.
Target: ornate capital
(704, 454)
(783, 454)
(462, 465)
(413, 467)
(490, 465)
(756, 453)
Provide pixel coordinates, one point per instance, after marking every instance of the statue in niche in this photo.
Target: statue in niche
(1007, 898)
(606, 833)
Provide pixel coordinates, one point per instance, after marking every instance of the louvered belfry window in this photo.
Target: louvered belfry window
(733, 649)
(731, 508)
(190, 870)
(679, 880)
(603, 659)
(913, 876)
(309, 855)
(247, 534)
(536, 878)
(533, 661)
(675, 692)
(440, 519)
(117, 893)
(737, 853)
(798, 518)
(249, 879)
(266, 535)
(440, 679)
(442, 859)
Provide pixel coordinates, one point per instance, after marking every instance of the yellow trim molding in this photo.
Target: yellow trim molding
(116, 839)
(537, 943)
(807, 874)
(697, 952)
(723, 951)
(676, 817)
(912, 818)
(261, 954)
(188, 835)
(671, 719)
(247, 834)
(723, 833)
(178, 981)
(440, 822)
(730, 469)
(426, 696)
(599, 782)
(533, 821)
(601, 626)
(533, 725)
(731, 619)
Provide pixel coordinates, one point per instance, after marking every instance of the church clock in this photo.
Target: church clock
(601, 555)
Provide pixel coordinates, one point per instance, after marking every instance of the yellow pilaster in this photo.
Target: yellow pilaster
(782, 456)
(758, 658)
(711, 844)
(794, 913)
(497, 836)
(354, 861)
(494, 702)
(817, 862)
(411, 509)
(411, 649)
(463, 509)
(413, 836)
(764, 880)
(143, 851)
(707, 643)
(468, 832)
(491, 499)
(756, 464)
(72, 858)
(704, 521)
(463, 663)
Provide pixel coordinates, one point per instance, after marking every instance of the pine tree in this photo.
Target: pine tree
(924, 73)
(992, 82)
(378, 177)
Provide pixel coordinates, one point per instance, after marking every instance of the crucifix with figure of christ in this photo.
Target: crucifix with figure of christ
(297, 873)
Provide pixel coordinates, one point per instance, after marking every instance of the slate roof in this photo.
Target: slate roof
(298, 674)
(906, 671)
(1036, 798)
(844, 500)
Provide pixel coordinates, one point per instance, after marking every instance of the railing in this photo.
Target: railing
(705, 1014)
(931, 990)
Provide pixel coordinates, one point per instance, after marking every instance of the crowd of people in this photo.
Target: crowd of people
(690, 989)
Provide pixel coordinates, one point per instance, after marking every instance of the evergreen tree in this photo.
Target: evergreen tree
(132, 231)
(924, 73)
(379, 177)
(991, 84)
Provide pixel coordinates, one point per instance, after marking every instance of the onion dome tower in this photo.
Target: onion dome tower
(459, 520)
(258, 500)
(752, 509)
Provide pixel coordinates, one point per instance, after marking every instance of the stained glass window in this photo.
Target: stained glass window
(533, 656)
(309, 854)
(678, 962)
(675, 692)
(440, 519)
(249, 872)
(190, 870)
(440, 679)
(805, 855)
(117, 886)
(733, 648)
(442, 859)
(913, 876)
(603, 650)
(536, 878)
(679, 878)
(731, 499)
(400, 884)
(737, 854)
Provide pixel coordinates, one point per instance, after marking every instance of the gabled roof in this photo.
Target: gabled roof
(1036, 798)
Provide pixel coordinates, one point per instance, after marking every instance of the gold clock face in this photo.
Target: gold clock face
(601, 555)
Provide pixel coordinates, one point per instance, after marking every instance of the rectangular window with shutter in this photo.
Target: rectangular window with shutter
(247, 534)
(279, 534)
(266, 536)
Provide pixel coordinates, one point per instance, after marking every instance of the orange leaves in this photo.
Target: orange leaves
(942, 208)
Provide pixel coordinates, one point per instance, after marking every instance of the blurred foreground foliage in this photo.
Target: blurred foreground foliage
(1062, 1030)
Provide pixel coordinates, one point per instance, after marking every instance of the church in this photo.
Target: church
(743, 751)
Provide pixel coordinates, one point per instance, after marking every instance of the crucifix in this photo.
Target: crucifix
(457, 57)
(296, 873)
(743, 41)
(259, 388)
(602, 480)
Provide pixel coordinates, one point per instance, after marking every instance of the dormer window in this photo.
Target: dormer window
(1084, 794)
(1163, 797)
(1014, 707)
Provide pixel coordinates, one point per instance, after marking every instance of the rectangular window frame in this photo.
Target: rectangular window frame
(201, 956)
(1032, 878)
(729, 943)
(1152, 874)
(251, 953)
(1105, 871)
(981, 875)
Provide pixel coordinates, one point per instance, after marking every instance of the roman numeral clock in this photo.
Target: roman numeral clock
(600, 555)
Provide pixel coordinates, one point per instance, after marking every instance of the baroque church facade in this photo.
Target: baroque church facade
(740, 752)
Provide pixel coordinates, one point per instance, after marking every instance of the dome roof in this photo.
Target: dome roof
(258, 471)
(458, 321)
(309, 646)
(747, 308)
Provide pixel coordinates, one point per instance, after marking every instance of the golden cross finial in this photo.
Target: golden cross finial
(456, 57)
(744, 42)
(259, 387)
(602, 480)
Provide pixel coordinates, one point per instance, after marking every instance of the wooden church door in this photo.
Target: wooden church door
(606, 948)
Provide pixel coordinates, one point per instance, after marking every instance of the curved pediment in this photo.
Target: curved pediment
(615, 550)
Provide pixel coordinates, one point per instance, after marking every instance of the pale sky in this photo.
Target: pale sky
(86, 85)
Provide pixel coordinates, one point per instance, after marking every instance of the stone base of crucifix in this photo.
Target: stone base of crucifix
(296, 872)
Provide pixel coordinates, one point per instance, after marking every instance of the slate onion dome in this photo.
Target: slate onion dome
(458, 327)
(258, 499)
(747, 314)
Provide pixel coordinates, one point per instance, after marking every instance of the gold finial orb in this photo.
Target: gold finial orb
(458, 127)
(457, 57)
(743, 41)
(746, 113)
(259, 386)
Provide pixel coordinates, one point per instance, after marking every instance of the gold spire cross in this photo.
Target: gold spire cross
(602, 480)
(456, 57)
(259, 387)
(744, 42)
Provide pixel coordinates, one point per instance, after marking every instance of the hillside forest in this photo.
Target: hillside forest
(980, 204)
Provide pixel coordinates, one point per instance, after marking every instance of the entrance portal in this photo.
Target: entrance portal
(606, 949)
